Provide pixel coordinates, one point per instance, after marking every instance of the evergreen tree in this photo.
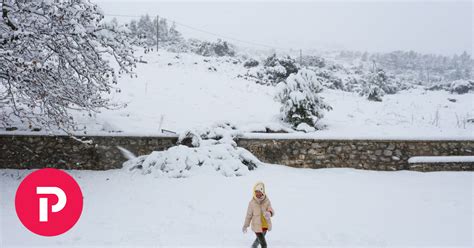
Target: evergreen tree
(300, 101)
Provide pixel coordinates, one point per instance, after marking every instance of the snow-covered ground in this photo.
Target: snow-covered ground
(183, 91)
(325, 207)
(187, 94)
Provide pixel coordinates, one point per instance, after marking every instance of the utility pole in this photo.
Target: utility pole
(157, 31)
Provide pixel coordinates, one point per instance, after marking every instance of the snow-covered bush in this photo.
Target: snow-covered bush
(329, 80)
(303, 127)
(354, 84)
(218, 133)
(373, 84)
(56, 56)
(201, 150)
(375, 94)
(277, 64)
(219, 48)
(250, 63)
(461, 86)
(458, 86)
(274, 70)
(313, 61)
(298, 95)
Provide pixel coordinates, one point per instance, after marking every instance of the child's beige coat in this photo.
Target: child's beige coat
(254, 214)
(257, 209)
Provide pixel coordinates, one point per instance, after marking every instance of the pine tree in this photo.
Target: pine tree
(300, 101)
(375, 83)
(175, 36)
(146, 30)
(164, 31)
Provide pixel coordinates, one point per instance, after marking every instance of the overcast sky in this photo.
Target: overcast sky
(444, 27)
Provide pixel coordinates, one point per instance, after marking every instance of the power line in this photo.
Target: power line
(210, 33)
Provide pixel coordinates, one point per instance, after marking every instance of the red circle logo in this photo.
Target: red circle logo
(48, 202)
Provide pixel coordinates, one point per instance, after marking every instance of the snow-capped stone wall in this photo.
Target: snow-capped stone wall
(87, 153)
(360, 154)
(102, 152)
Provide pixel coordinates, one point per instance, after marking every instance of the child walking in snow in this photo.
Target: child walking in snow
(259, 213)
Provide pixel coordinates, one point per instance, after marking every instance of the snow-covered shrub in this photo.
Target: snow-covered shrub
(461, 86)
(250, 63)
(57, 56)
(298, 95)
(221, 132)
(287, 63)
(219, 48)
(329, 80)
(375, 94)
(223, 48)
(313, 61)
(200, 150)
(274, 70)
(458, 86)
(178, 47)
(354, 84)
(439, 86)
(373, 84)
(182, 161)
(305, 128)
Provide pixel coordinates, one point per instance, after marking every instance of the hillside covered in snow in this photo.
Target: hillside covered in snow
(179, 91)
(191, 83)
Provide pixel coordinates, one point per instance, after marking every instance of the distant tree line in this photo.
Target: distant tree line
(148, 31)
(424, 67)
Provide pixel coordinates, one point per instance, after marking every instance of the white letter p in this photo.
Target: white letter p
(43, 202)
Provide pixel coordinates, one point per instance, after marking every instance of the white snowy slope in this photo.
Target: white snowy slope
(313, 208)
(186, 94)
(182, 91)
(409, 114)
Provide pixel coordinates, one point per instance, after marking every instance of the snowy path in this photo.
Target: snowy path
(325, 207)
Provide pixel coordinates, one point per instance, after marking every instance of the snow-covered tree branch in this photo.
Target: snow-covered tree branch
(56, 56)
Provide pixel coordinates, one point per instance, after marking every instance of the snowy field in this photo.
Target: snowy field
(325, 207)
(181, 92)
(186, 94)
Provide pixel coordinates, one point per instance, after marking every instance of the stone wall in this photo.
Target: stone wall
(101, 152)
(93, 153)
(359, 154)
